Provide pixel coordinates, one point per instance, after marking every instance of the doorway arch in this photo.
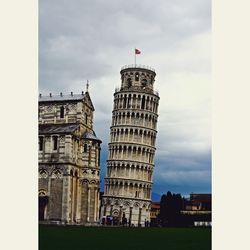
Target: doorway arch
(42, 204)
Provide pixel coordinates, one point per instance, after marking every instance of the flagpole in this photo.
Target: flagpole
(135, 57)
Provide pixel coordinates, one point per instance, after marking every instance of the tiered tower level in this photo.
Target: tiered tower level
(130, 163)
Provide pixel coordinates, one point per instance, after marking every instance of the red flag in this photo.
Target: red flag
(137, 51)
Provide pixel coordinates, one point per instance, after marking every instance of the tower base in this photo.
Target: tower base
(126, 212)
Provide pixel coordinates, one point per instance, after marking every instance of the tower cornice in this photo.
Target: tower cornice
(138, 90)
(132, 144)
(132, 162)
(128, 179)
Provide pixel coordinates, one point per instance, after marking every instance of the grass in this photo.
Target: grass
(108, 238)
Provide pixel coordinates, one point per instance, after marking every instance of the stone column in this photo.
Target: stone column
(111, 209)
(65, 197)
(120, 215)
(98, 205)
(139, 217)
(123, 188)
(49, 188)
(130, 216)
(71, 197)
(104, 211)
(107, 188)
(95, 205)
(78, 211)
(88, 210)
(75, 198)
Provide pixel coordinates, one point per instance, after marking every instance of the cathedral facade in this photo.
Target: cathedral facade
(69, 160)
(130, 164)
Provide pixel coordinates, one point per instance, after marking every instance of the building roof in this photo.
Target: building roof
(66, 129)
(200, 197)
(155, 205)
(57, 128)
(91, 136)
(52, 98)
(195, 212)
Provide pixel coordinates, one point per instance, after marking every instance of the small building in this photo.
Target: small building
(154, 213)
(197, 210)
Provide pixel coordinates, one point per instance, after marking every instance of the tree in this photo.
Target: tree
(171, 205)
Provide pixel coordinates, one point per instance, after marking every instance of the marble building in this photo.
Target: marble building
(130, 164)
(69, 160)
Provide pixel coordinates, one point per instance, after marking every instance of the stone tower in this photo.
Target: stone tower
(130, 164)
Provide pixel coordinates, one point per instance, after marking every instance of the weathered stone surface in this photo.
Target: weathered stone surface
(66, 171)
(130, 164)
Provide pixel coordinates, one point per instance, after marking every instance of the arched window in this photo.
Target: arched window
(137, 76)
(40, 143)
(137, 120)
(143, 83)
(61, 112)
(129, 82)
(143, 102)
(86, 119)
(125, 101)
(128, 116)
(134, 150)
(54, 142)
(123, 117)
(138, 102)
(129, 100)
(125, 149)
(85, 148)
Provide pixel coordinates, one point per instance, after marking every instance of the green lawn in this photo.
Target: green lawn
(108, 238)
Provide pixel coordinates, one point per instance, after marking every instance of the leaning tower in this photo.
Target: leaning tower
(130, 164)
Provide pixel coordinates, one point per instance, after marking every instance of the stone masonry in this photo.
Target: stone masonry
(69, 160)
(130, 164)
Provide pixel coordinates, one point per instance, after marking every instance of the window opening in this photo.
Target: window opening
(40, 143)
(62, 112)
(143, 102)
(137, 76)
(54, 143)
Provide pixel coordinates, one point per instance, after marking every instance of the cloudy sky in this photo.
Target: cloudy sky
(90, 39)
